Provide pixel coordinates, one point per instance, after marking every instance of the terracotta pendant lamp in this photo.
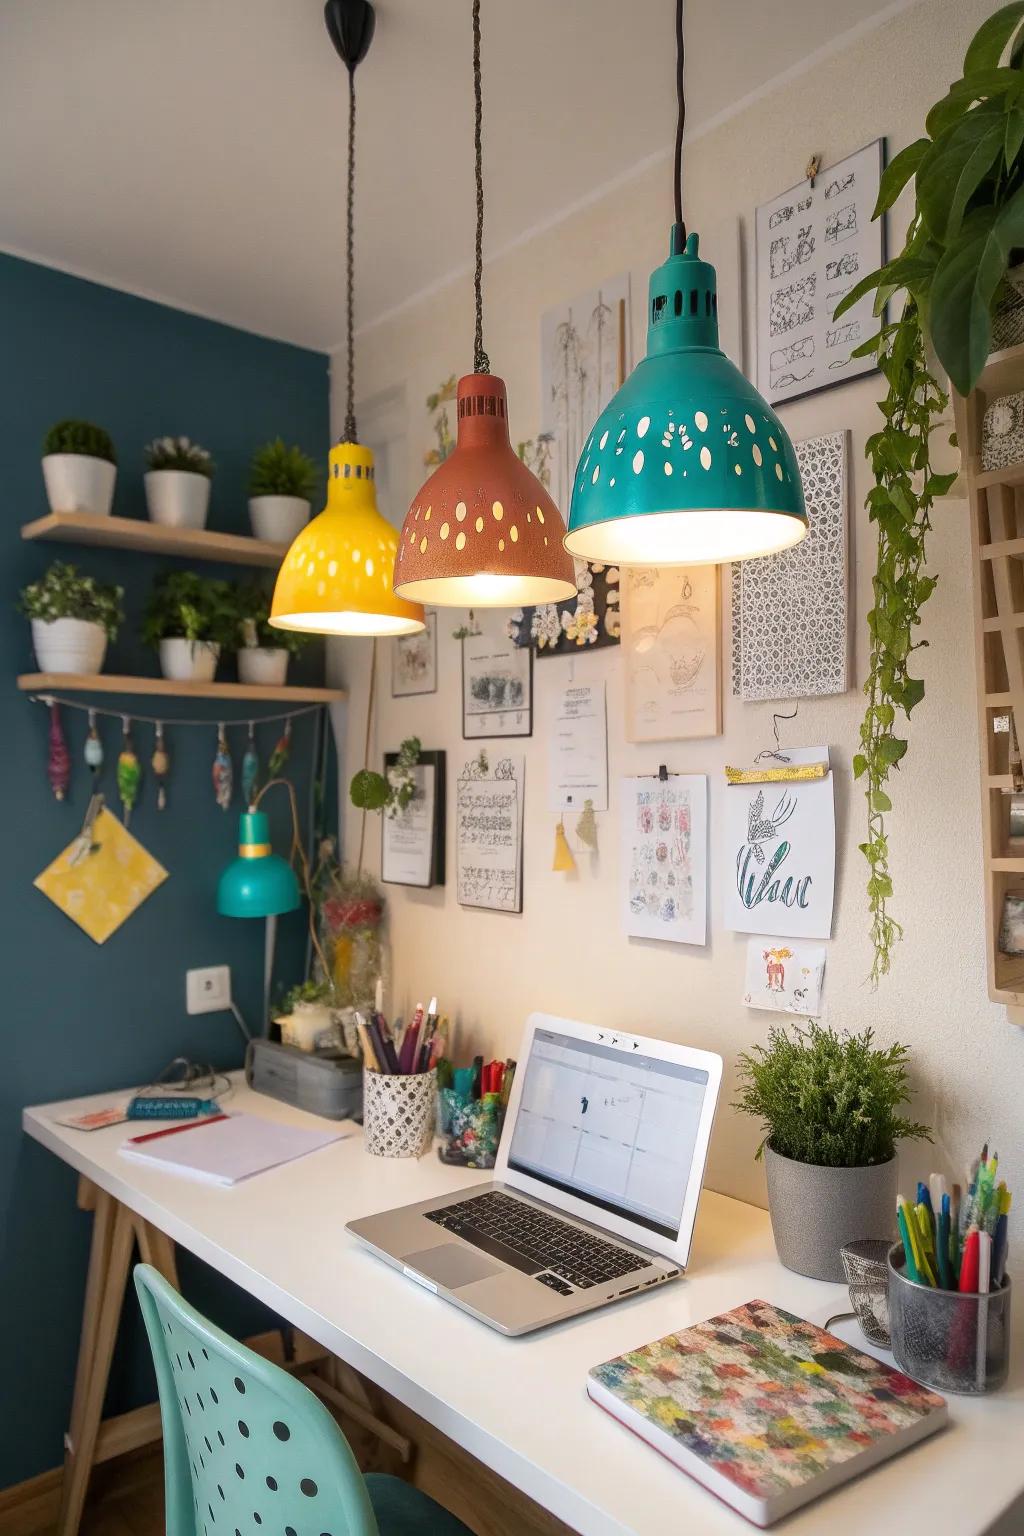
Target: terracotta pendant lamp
(483, 532)
(337, 577)
(687, 465)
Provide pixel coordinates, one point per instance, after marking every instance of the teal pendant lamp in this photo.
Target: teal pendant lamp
(687, 464)
(258, 883)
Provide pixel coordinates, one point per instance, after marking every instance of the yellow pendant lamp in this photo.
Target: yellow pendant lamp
(337, 578)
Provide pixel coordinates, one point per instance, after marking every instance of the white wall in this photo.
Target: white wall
(566, 952)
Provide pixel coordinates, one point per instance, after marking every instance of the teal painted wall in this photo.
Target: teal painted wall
(79, 1018)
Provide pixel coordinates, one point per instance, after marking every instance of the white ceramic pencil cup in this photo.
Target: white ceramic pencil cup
(398, 1112)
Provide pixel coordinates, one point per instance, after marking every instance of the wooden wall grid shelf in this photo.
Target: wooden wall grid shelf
(153, 538)
(108, 682)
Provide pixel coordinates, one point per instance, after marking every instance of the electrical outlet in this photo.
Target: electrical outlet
(209, 990)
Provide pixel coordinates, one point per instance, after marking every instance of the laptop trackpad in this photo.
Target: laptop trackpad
(451, 1265)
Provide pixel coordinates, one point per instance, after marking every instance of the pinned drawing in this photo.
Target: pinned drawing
(784, 976)
(664, 858)
(489, 834)
(812, 245)
(673, 660)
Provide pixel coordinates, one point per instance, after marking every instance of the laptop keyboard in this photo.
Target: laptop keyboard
(532, 1241)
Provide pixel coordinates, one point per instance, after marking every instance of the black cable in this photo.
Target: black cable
(349, 435)
(481, 362)
(680, 118)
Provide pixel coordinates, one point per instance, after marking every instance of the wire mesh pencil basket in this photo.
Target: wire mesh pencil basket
(867, 1276)
(398, 1113)
(955, 1341)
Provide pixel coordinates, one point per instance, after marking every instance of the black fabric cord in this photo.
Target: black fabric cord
(481, 362)
(680, 118)
(349, 435)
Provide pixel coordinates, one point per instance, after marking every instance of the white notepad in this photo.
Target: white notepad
(228, 1148)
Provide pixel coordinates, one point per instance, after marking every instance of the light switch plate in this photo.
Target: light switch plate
(209, 990)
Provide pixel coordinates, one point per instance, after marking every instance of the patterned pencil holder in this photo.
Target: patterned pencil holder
(954, 1341)
(398, 1113)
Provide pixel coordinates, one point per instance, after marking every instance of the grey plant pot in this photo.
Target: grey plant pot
(816, 1210)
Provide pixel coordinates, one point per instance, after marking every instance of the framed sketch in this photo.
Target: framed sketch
(665, 858)
(414, 661)
(497, 684)
(671, 636)
(489, 833)
(813, 244)
(412, 841)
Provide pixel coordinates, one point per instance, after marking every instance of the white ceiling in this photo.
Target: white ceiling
(194, 150)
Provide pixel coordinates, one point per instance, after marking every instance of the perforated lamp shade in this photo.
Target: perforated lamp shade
(483, 532)
(687, 465)
(336, 578)
(258, 883)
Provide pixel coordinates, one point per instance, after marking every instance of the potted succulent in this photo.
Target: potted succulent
(829, 1106)
(281, 485)
(189, 619)
(73, 617)
(79, 468)
(177, 482)
(262, 652)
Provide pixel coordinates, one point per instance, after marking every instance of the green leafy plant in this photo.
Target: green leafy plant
(179, 453)
(966, 228)
(184, 605)
(305, 992)
(277, 470)
(79, 437)
(252, 618)
(64, 593)
(390, 792)
(828, 1099)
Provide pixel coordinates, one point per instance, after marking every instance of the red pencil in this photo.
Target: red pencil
(969, 1262)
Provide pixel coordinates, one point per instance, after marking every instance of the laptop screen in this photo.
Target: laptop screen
(615, 1130)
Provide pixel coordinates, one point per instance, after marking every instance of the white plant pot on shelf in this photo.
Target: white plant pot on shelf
(76, 482)
(69, 645)
(278, 519)
(189, 661)
(177, 498)
(264, 665)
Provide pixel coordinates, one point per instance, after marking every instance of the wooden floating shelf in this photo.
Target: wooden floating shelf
(153, 538)
(107, 682)
(1003, 372)
(1012, 474)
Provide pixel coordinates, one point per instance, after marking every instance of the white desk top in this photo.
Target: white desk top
(520, 1405)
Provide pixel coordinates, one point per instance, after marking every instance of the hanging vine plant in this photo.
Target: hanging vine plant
(966, 231)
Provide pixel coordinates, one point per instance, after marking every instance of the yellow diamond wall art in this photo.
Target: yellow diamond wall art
(99, 881)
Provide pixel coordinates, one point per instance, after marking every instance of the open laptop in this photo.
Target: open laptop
(596, 1184)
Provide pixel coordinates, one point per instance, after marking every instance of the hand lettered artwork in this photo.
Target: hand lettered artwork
(100, 881)
(414, 661)
(790, 611)
(779, 854)
(664, 858)
(671, 643)
(784, 976)
(489, 834)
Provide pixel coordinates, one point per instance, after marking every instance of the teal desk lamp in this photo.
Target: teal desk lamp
(258, 883)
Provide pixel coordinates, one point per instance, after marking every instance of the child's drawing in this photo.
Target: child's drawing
(784, 976)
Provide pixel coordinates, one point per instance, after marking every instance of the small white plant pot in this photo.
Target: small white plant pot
(76, 482)
(189, 661)
(69, 645)
(264, 665)
(278, 519)
(177, 498)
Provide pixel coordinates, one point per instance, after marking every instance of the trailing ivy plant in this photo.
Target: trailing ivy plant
(965, 232)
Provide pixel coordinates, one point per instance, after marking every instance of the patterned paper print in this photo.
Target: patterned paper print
(100, 889)
(664, 858)
(784, 976)
(790, 618)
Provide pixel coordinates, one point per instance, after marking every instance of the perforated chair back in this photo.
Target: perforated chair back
(248, 1450)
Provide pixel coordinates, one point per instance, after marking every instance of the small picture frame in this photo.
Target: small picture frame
(497, 685)
(414, 661)
(412, 843)
(1011, 928)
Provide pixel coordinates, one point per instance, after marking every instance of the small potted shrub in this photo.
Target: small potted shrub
(177, 482)
(73, 617)
(189, 619)
(829, 1108)
(262, 652)
(281, 485)
(79, 468)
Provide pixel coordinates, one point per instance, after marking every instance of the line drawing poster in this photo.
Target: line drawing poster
(813, 245)
(779, 854)
(489, 834)
(497, 685)
(665, 858)
(670, 637)
(578, 747)
(784, 976)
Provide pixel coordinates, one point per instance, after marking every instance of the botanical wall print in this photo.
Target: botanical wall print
(590, 620)
(489, 833)
(813, 245)
(412, 835)
(664, 858)
(1002, 433)
(784, 976)
(584, 358)
(414, 661)
(778, 858)
(670, 628)
(790, 611)
(497, 683)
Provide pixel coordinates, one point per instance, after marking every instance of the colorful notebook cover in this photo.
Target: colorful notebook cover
(767, 1411)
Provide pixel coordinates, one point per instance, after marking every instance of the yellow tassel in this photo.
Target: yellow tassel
(563, 860)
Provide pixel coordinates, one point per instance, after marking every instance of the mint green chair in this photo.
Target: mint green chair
(249, 1451)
